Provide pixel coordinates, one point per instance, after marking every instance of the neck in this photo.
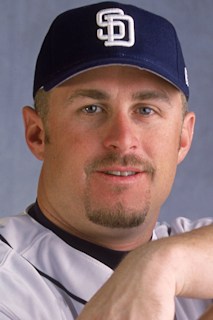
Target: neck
(114, 239)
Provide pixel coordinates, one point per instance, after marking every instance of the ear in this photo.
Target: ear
(186, 135)
(34, 132)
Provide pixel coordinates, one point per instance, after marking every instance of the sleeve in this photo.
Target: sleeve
(6, 314)
(181, 224)
(4, 317)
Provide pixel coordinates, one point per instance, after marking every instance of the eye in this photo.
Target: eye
(93, 108)
(145, 111)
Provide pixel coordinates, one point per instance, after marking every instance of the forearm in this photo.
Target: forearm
(193, 263)
(136, 290)
(183, 262)
(146, 282)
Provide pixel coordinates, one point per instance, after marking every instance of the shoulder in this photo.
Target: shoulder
(182, 224)
(43, 270)
(21, 231)
(179, 225)
(26, 294)
(30, 294)
(21, 285)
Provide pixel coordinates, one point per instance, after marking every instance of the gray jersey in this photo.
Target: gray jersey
(42, 277)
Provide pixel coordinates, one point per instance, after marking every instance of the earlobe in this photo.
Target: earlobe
(186, 135)
(34, 132)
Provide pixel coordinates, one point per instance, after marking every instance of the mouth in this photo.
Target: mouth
(117, 168)
(120, 176)
(126, 174)
(121, 173)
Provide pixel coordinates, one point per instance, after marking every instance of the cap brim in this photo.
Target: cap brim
(146, 64)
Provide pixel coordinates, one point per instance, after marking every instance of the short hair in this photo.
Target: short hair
(41, 104)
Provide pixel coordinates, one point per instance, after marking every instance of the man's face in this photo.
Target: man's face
(116, 135)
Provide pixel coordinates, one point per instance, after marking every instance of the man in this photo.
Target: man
(110, 124)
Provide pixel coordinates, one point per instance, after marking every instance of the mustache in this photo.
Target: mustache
(129, 160)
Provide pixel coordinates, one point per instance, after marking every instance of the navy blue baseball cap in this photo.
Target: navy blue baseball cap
(109, 33)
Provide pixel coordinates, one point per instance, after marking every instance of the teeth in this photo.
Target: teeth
(121, 173)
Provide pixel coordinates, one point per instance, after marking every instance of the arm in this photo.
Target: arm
(208, 314)
(144, 285)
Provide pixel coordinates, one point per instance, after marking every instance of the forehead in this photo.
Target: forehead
(113, 80)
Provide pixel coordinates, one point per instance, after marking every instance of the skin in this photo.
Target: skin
(208, 314)
(121, 119)
(144, 285)
(110, 119)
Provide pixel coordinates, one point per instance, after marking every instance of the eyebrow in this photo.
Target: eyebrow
(152, 95)
(89, 93)
(103, 95)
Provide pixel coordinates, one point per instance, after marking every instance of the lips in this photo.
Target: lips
(121, 173)
(114, 166)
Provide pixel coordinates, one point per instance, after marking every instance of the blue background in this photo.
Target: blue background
(24, 23)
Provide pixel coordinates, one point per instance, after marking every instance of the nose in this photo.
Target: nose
(121, 134)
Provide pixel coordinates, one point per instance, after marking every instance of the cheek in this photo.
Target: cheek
(162, 143)
(68, 138)
(70, 151)
(165, 158)
(164, 153)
